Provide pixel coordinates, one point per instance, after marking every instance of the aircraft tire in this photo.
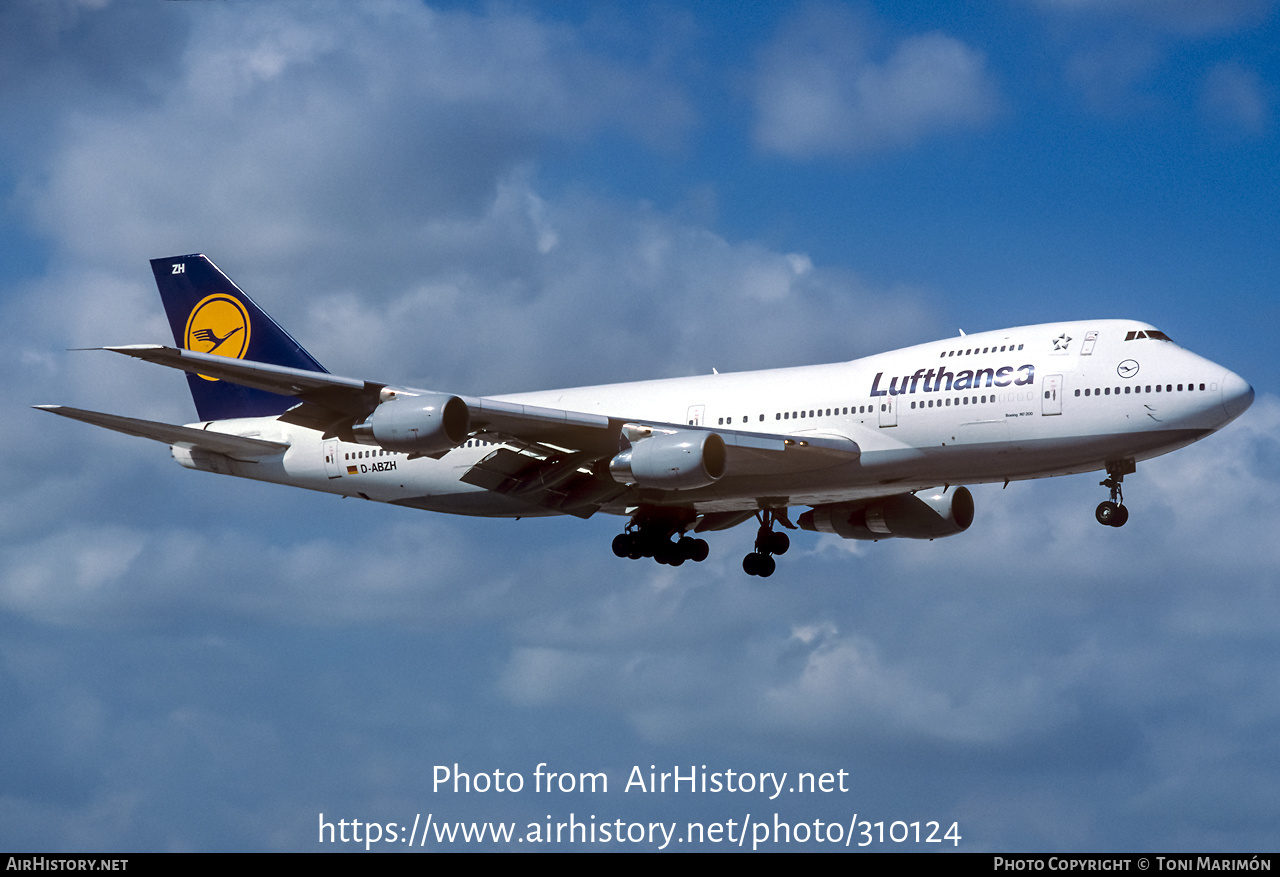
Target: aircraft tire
(766, 566)
(684, 547)
(751, 564)
(1106, 513)
(1121, 515)
(670, 553)
(622, 545)
(779, 542)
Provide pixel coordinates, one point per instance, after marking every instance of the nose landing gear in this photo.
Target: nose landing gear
(1112, 512)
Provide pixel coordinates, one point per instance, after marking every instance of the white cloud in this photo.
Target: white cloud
(307, 122)
(819, 91)
(364, 172)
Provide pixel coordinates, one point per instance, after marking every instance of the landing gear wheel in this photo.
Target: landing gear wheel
(694, 549)
(622, 545)
(1106, 513)
(759, 564)
(1121, 515)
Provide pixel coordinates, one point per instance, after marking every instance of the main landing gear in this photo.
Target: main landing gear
(655, 541)
(768, 543)
(1112, 512)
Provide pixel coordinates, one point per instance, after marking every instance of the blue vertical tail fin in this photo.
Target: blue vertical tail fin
(210, 314)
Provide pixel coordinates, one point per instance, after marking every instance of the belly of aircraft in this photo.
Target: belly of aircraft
(875, 473)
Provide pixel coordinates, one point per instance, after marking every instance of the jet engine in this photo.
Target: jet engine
(925, 515)
(671, 461)
(424, 424)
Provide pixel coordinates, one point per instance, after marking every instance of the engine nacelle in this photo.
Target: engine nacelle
(671, 461)
(929, 515)
(423, 424)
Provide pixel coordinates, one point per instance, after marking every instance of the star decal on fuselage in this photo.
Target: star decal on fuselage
(1061, 342)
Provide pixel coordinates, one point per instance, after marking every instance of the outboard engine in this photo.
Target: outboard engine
(924, 515)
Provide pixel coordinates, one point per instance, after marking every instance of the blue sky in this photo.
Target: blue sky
(492, 198)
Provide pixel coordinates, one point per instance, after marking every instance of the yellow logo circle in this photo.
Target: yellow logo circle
(219, 324)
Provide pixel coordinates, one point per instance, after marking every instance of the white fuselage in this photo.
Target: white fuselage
(1013, 404)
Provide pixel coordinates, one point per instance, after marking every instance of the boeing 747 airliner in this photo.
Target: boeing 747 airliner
(875, 448)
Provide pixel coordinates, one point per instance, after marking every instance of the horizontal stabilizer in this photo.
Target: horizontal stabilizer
(235, 446)
(348, 395)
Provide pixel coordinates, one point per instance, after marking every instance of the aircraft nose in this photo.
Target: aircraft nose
(1237, 395)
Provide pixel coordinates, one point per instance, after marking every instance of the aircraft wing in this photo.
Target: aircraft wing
(331, 403)
(235, 446)
(329, 398)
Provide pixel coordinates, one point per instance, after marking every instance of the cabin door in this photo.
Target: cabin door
(888, 411)
(332, 467)
(1051, 395)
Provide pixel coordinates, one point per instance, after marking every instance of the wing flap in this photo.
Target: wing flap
(235, 446)
(556, 483)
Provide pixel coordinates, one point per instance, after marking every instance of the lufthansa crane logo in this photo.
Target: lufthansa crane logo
(219, 324)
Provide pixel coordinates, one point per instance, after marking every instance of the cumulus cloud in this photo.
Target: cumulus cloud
(364, 172)
(310, 121)
(821, 89)
(635, 281)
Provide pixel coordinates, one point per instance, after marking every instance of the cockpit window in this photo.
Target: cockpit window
(1156, 334)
